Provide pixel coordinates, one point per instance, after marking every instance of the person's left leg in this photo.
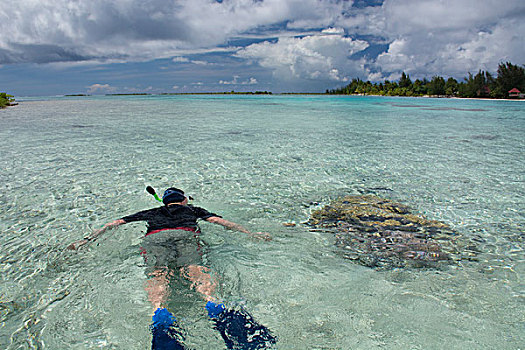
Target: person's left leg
(157, 286)
(165, 330)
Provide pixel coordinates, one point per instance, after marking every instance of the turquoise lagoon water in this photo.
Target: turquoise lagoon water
(71, 164)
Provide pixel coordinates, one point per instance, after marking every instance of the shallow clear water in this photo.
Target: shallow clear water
(71, 164)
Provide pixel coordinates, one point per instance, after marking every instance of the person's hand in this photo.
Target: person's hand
(76, 245)
(261, 235)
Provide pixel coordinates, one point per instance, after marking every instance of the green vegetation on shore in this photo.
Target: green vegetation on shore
(6, 100)
(481, 85)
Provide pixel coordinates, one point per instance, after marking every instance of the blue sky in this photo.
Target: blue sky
(54, 47)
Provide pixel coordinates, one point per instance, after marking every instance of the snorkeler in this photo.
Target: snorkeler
(177, 214)
(172, 242)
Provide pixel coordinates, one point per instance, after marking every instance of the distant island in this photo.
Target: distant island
(196, 93)
(6, 100)
(509, 83)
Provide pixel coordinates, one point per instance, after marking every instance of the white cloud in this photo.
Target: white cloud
(63, 30)
(318, 14)
(446, 37)
(377, 76)
(179, 59)
(102, 88)
(197, 51)
(232, 82)
(305, 39)
(202, 63)
(322, 57)
(250, 81)
(339, 31)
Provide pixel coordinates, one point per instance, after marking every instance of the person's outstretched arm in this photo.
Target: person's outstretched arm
(233, 226)
(94, 235)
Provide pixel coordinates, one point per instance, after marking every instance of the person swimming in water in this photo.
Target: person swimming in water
(172, 242)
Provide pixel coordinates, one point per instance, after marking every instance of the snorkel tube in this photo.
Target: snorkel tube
(151, 191)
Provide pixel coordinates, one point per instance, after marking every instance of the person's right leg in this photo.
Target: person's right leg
(201, 280)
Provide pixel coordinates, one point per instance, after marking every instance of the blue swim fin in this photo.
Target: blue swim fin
(238, 328)
(164, 331)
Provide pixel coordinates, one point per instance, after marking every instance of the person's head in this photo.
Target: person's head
(174, 195)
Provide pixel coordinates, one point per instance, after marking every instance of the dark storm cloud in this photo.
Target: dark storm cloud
(41, 53)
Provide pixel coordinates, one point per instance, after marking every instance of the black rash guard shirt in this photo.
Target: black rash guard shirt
(173, 216)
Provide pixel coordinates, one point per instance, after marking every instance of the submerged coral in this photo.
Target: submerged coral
(383, 234)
